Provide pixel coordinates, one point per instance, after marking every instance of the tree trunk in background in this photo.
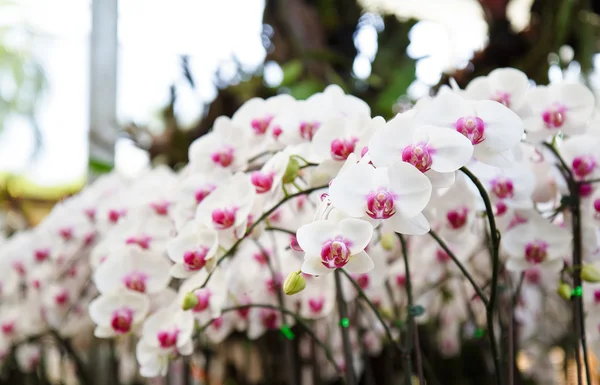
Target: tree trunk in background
(103, 81)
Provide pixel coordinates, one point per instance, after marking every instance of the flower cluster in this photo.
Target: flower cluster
(469, 189)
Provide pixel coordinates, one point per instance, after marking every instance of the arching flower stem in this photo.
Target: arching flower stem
(495, 246)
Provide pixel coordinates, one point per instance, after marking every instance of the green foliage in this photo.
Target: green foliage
(99, 167)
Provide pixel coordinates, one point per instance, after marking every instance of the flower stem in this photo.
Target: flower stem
(296, 318)
(462, 268)
(411, 327)
(578, 307)
(68, 348)
(347, 346)
(371, 305)
(265, 215)
(495, 239)
(288, 348)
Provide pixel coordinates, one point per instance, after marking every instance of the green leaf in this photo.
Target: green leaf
(416, 311)
(306, 88)
(292, 71)
(99, 167)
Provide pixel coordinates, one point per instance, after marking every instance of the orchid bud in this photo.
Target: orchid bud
(291, 172)
(564, 290)
(590, 273)
(294, 283)
(388, 241)
(189, 301)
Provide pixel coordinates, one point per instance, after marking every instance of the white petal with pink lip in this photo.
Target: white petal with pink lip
(417, 225)
(192, 244)
(503, 127)
(508, 86)
(350, 189)
(169, 328)
(310, 237)
(135, 269)
(357, 232)
(451, 150)
(412, 188)
(117, 312)
(359, 263)
(228, 205)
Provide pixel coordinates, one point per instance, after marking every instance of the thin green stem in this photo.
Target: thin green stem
(578, 306)
(68, 348)
(372, 306)
(292, 372)
(281, 230)
(410, 322)
(296, 318)
(461, 267)
(253, 226)
(495, 240)
(347, 345)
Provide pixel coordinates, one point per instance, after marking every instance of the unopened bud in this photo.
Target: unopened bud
(291, 172)
(564, 290)
(590, 273)
(189, 301)
(388, 241)
(294, 283)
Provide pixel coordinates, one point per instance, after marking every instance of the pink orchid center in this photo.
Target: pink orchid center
(90, 213)
(502, 187)
(401, 280)
(142, 241)
(274, 284)
(335, 253)
(536, 251)
(223, 157)
(203, 296)
(8, 328)
(115, 215)
(160, 208)
(195, 259)
(554, 116)
(457, 218)
(224, 218)
(269, 318)
(260, 125)
(501, 208)
(342, 148)
(380, 204)
(217, 323)
(261, 257)
(533, 276)
(597, 297)
(262, 181)
(308, 130)
(203, 192)
(167, 338)
(586, 189)
(501, 97)
(363, 281)
(277, 131)
(597, 205)
(471, 127)
(62, 297)
(441, 256)
(316, 304)
(583, 165)
(122, 319)
(66, 233)
(516, 220)
(419, 155)
(136, 281)
(41, 254)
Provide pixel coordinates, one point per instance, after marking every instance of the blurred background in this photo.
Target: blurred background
(88, 85)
